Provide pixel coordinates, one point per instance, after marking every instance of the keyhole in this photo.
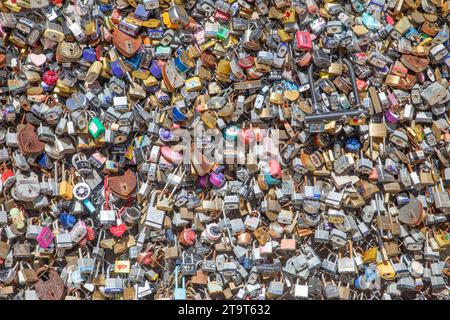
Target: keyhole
(128, 44)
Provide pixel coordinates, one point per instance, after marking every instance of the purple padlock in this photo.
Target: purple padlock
(217, 179)
(203, 182)
(165, 134)
(155, 70)
(391, 116)
(141, 13)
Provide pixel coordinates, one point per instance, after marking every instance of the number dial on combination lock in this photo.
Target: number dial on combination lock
(81, 191)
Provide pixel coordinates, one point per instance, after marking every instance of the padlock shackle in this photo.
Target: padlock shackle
(351, 72)
(315, 116)
(312, 90)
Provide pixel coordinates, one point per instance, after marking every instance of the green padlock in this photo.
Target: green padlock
(96, 128)
(222, 33)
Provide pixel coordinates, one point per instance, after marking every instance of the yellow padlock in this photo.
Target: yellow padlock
(66, 186)
(132, 3)
(12, 6)
(208, 44)
(61, 86)
(90, 28)
(193, 84)
(289, 16)
(151, 23)
(140, 74)
(370, 255)
(167, 22)
(210, 119)
(386, 270)
(224, 67)
(284, 36)
(131, 19)
(150, 81)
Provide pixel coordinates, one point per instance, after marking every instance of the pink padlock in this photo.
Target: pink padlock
(420, 77)
(390, 20)
(391, 116)
(393, 102)
(275, 168)
(165, 163)
(246, 135)
(45, 237)
(171, 155)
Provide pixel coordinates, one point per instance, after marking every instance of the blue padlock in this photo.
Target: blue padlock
(105, 8)
(271, 180)
(89, 55)
(155, 33)
(88, 204)
(361, 282)
(352, 144)
(447, 63)
(46, 87)
(134, 61)
(141, 13)
(178, 115)
(117, 69)
(169, 235)
(247, 263)
(231, 133)
(412, 34)
(67, 220)
(165, 134)
(45, 162)
(370, 22)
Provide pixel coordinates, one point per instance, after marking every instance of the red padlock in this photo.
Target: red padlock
(303, 39)
(90, 234)
(187, 237)
(361, 85)
(246, 62)
(99, 53)
(390, 20)
(8, 178)
(83, 242)
(221, 16)
(145, 258)
(50, 77)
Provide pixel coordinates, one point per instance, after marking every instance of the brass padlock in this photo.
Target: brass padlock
(66, 186)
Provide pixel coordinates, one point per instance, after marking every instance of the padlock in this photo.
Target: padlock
(65, 186)
(113, 285)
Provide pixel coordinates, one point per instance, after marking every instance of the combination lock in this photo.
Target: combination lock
(81, 191)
